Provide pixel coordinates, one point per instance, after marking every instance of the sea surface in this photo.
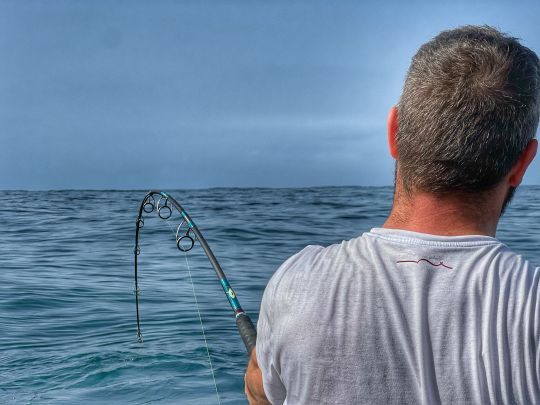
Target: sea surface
(67, 309)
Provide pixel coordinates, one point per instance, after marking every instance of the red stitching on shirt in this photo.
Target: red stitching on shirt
(426, 260)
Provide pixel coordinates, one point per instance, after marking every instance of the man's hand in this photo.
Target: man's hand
(254, 385)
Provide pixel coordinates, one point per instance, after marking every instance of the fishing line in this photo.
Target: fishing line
(202, 330)
(198, 313)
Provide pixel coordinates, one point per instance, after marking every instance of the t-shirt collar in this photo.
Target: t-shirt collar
(400, 235)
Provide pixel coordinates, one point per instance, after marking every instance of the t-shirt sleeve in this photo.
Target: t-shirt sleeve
(273, 386)
(536, 316)
(268, 339)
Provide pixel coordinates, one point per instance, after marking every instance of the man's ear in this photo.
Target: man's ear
(525, 159)
(392, 127)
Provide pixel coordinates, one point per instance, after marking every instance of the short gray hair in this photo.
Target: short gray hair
(469, 107)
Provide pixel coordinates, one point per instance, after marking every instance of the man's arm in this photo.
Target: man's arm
(254, 384)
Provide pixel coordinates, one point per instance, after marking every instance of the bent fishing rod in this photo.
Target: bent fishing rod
(186, 235)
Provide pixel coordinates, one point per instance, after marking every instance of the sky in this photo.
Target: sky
(195, 94)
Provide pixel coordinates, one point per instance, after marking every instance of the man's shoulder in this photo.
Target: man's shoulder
(298, 262)
(515, 268)
(314, 261)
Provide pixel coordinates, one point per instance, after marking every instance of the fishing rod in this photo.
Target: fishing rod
(186, 235)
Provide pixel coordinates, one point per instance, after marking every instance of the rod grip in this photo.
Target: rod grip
(247, 330)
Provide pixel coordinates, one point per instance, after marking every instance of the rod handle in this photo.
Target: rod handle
(247, 330)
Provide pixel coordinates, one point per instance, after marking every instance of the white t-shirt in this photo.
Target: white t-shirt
(402, 317)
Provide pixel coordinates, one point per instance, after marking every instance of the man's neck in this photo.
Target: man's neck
(443, 215)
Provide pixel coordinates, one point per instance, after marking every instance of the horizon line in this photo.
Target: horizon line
(211, 188)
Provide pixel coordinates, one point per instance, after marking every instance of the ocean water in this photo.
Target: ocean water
(67, 311)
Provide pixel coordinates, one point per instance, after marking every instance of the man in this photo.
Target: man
(430, 308)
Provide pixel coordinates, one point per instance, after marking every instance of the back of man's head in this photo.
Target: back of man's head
(470, 106)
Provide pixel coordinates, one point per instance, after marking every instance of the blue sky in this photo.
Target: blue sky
(173, 94)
